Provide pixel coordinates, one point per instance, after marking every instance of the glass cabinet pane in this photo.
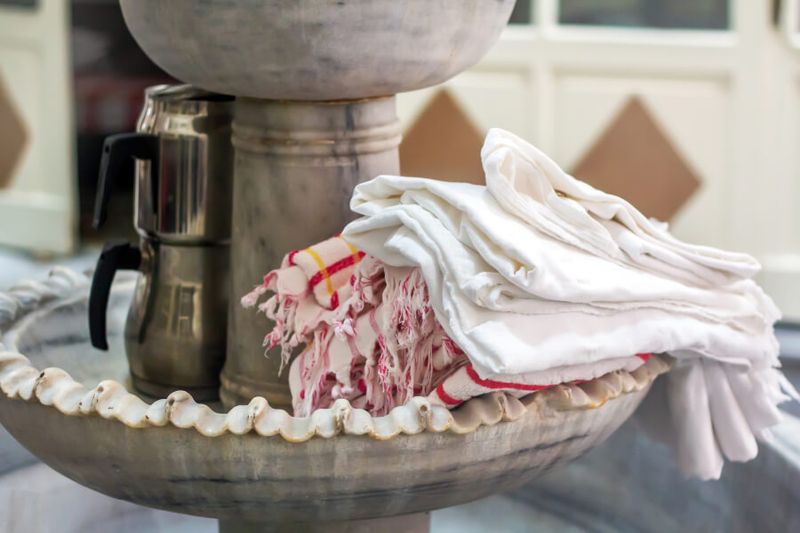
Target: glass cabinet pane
(695, 14)
(523, 12)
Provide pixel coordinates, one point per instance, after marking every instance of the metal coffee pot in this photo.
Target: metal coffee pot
(175, 334)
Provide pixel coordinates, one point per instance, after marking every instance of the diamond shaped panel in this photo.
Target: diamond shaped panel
(13, 136)
(635, 159)
(443, 143)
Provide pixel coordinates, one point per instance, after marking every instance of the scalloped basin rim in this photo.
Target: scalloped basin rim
(55, 388)
(111, 441)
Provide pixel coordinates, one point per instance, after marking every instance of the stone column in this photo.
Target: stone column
(296, 166)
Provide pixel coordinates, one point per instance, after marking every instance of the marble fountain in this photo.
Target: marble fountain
(314, 116)
(75, 409)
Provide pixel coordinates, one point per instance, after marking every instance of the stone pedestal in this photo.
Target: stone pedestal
(296, 166)
(315, 115)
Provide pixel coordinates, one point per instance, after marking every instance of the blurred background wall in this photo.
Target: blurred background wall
(691, 110)
(110, 74)
(70, 74)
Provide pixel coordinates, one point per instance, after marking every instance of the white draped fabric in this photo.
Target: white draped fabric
(538, 270)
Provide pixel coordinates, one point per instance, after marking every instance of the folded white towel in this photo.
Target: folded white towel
(532, 186)
(539, 271)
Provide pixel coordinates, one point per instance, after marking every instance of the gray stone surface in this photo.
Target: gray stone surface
(628, 485)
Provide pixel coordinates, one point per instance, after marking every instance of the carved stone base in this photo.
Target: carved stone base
(415, 523)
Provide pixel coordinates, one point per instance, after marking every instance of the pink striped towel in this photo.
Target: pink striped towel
(369, 335)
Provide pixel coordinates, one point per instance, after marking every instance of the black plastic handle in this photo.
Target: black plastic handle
(118, 150)
(115, 256)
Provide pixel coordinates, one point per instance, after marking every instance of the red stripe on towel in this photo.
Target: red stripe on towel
(335, 300)
(446, 398)
(492, 384)
(347, 262)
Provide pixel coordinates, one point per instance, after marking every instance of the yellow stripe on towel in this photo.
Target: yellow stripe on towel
(322, 268)
(355, 251)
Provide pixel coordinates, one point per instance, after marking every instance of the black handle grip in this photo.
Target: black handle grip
(117, 152)
(115, 256)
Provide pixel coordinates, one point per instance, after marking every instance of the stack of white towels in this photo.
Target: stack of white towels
(538, 271)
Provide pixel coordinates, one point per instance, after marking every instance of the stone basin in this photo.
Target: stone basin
(315, 49)
(259, 465)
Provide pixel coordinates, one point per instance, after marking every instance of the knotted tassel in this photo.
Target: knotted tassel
(250, 299)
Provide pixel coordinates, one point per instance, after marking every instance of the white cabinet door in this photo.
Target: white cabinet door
(37, 170)
(727, 100)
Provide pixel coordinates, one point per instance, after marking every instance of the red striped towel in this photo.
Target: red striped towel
(327, 268)
(465, 382)
(369, 335)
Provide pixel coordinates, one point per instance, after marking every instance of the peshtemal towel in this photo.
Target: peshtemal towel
(538, 271)
(371, 337)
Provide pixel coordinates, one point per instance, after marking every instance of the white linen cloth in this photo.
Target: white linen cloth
(538, 270)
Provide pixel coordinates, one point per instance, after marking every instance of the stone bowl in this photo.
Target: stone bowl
(315, 49)
(73, 408)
